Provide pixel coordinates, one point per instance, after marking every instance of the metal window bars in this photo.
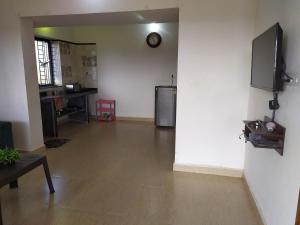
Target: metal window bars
(43, 62)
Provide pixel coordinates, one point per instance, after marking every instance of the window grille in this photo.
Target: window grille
(44, 62)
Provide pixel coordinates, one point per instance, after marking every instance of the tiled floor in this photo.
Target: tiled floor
(121, 174)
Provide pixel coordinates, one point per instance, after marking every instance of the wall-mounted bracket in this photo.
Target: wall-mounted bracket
(260, 137)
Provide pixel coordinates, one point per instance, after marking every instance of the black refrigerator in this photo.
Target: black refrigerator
(165, 106)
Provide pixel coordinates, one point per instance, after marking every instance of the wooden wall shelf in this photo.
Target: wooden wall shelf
(261, 138)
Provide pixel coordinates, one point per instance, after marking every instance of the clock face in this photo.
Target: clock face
(154, 40)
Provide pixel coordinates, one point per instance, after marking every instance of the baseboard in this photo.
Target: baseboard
(137, 119)
(42, 148)
(133, 119)
(38, 149)
(254, 201)
(220, 171)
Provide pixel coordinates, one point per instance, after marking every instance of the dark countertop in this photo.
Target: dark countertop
(83, 92)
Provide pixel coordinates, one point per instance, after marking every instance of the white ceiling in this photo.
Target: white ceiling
(97, 19)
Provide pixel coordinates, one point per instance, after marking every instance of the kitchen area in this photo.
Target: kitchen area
(78, 66)
(68, 81)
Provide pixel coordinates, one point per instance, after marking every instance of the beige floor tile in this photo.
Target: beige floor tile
(121, 174)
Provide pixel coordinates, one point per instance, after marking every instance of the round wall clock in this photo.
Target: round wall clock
(154, 39)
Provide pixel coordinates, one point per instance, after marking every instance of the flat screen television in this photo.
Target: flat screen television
(267, 60)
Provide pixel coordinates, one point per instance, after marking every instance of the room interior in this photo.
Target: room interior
(134, 173)
(96, 52)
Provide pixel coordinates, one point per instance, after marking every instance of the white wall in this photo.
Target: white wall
(14, 91)
(273, 179)
(13, 103)
(31, 80)
(128, 69)
(65, 7)
(213, 81)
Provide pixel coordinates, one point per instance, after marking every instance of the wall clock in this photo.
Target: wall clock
(154, 39)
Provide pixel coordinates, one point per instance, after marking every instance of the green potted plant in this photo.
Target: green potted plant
(8, 157)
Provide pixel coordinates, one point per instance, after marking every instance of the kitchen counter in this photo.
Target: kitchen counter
(83, 92)
(76, 107)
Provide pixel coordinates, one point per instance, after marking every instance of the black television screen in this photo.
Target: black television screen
(267, 60)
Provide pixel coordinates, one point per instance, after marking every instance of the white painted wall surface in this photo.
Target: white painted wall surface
(213, 81)
(128, 69)
(275, 180)
(31, 80)
(64, 7)
(13, 92)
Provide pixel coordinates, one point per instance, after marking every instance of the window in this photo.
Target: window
(44, 62)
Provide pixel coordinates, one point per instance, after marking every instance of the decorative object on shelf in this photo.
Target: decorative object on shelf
(154, 39)
(271, 126)
(260, 135)
(8, 157)
(258, 124)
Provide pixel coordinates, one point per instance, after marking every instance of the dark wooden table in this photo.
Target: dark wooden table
(27, 163)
